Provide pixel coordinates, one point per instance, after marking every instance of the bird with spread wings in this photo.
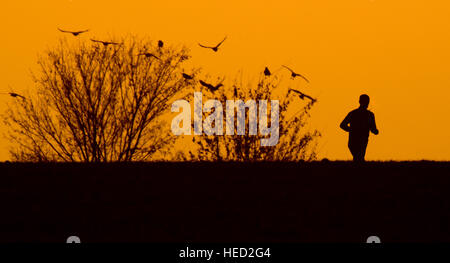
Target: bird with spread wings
(210, 86)
(303, 95)
(215, 48)
(105, 43)
(187, 76)
(149, 55)
(294, 74)
(13, 94)
(75, 33)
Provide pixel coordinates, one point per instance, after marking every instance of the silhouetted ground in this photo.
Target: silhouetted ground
(225, 202)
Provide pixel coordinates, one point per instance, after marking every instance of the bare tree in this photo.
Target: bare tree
(98, 103)
(296, 141)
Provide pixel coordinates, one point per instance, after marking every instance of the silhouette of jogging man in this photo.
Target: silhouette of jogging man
(359, 123)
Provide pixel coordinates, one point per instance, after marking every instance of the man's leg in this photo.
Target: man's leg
(363, 149)
(359, 155)
(358, 149)
(353, 150)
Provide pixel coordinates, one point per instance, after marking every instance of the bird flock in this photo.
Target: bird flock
(266, 72)
(186, 76)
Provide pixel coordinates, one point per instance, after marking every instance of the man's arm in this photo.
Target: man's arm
(373, 125)
(345, 123)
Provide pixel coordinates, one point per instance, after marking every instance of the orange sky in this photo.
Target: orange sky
(398, 52)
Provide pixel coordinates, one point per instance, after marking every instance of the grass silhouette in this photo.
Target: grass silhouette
(225, 202)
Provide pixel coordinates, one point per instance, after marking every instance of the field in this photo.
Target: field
(225, 202)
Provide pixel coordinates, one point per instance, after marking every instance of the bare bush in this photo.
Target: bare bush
(296, 142)
(96, 103)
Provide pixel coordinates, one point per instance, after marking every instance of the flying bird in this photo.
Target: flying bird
(14, 95)
(160, 43)
(294, 74)
(267, 72)
(149, 55)
(187, 76)
(303, 95)
(216, 48)
(75, 33)
(210, 86)
(105, 43)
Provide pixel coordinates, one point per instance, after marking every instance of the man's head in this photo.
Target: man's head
(364, 101)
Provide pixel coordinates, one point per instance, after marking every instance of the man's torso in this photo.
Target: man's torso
(360, 123)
